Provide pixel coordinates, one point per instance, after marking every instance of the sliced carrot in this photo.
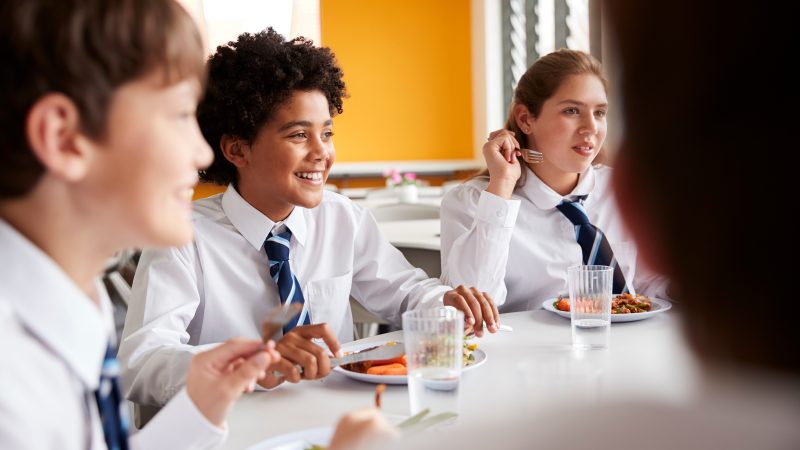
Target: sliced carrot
(383, 362)
(388, 369)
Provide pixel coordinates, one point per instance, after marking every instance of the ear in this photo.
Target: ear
(234, 149)
(635, 214)
(524, 118)
(53, 131)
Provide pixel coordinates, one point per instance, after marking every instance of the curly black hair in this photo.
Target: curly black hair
(249, 79)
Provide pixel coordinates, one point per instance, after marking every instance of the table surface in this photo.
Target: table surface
(420, 233)
(646, 360)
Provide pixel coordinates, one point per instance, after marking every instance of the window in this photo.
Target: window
(532, 28)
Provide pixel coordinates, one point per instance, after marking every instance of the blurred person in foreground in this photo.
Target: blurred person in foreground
(99, 150)
(707, 119)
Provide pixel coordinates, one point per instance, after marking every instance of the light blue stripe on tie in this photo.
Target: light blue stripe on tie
(290, 297)
(577, 231)
(303, 314)
(279, 240)
(580, 207)
(595, 247)
(613, 263)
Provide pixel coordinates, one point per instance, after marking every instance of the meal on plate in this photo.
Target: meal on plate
(621, 304)
(627, 303)
(393, 366)
(468, 351)
(397, 366)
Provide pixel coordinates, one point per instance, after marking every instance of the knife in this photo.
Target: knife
(386, 351)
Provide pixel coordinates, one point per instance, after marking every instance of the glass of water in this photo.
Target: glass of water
(434, 341)
(590, 305)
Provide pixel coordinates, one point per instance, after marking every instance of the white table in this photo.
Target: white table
(422, 233)
(646, 359)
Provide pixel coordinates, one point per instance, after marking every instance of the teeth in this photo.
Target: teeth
(316, 176)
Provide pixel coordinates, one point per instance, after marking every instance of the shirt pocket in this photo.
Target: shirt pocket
(328, 300)
(625, 254)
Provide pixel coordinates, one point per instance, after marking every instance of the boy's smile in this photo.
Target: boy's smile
(288, 162)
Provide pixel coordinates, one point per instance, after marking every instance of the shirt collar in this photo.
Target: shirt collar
(52, 307)
(545, 198)
(255, 226)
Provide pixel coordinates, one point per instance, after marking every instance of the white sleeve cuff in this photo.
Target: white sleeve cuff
(180, 425)
(496, 210)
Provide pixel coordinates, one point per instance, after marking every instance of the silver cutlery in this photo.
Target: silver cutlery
(532, 156)
(278, 317)
(376, 353)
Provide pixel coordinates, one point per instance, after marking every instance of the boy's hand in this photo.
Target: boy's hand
(477, 306)
(296, 348)
(218, 377)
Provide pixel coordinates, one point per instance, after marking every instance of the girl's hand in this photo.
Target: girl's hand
(500, 153)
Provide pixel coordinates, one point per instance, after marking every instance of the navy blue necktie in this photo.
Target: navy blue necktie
(277, 248)
(594, 245)
(110, 405)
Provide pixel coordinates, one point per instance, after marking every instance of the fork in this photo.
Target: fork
(532, 156)
(277, 317)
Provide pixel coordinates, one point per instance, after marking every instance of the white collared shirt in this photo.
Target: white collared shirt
(52, 342)
(519, 250)
(188, 299)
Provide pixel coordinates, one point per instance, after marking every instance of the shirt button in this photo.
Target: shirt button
(499, 213)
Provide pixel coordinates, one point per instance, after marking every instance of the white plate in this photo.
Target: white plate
(659, 306)
(480, 358)
(299, 440)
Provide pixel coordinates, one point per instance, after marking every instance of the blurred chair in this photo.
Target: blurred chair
(376, 193)
(117, 280)
(428, 260)
(404, 211)
(366, 324)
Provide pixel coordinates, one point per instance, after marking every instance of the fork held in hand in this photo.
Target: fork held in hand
(532, 156)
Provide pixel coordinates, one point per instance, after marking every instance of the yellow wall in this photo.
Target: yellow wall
(407, 67)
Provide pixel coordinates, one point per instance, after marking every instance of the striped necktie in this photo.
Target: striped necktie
(113, 411)
(277, 248)
(594, 244)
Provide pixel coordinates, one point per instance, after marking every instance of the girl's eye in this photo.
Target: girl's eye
(600, 114)
(327, 134)
(571, 111)
(299, 135)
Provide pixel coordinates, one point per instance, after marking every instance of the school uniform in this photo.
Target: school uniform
(518, 250)
(189, 299)
(53, 339)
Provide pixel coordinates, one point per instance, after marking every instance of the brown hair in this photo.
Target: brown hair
(85, 49)
(541, 81)
(706, 159)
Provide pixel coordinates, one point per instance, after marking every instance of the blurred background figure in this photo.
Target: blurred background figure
(708, 133)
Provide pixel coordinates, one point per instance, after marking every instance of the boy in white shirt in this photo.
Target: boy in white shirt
(98, 152)
(268, 117)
